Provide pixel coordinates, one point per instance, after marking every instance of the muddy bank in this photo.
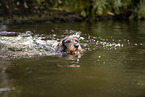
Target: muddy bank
(56, 18)
(43, 18)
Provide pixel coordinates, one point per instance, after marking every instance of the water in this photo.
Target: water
(111, 63)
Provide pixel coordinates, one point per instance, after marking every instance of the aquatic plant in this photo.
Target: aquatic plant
(138, 11)
(141, 9)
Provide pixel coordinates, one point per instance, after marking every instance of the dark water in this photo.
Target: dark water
(112, 63)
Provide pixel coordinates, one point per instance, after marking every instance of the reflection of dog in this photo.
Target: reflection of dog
(69, 45)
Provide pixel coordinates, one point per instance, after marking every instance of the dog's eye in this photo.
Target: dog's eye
(67, 41)
(76, 40)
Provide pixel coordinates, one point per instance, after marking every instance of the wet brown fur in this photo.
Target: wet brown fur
(69, 45)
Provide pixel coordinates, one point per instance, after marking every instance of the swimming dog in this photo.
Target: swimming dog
(69, 45)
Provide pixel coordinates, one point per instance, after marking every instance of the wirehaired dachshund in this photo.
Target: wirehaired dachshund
(69, 45)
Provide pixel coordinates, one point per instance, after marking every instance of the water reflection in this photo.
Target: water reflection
(112, 63)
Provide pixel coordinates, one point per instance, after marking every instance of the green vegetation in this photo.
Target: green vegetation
(89, 10)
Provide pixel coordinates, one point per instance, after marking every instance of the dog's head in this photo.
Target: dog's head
(69, 44)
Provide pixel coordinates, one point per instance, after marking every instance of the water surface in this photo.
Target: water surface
(111, 64)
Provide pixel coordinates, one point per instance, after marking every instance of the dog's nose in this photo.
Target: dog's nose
(76, 46)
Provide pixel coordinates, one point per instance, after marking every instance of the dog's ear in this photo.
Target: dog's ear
(60, 46)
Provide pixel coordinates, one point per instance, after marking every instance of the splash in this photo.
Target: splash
(77, 35)
(74, 34)
(26, 45)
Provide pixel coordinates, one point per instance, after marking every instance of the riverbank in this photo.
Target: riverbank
(30, 11)
(43, 18)
(55, 18)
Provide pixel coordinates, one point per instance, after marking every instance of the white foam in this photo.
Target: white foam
(26, 45)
